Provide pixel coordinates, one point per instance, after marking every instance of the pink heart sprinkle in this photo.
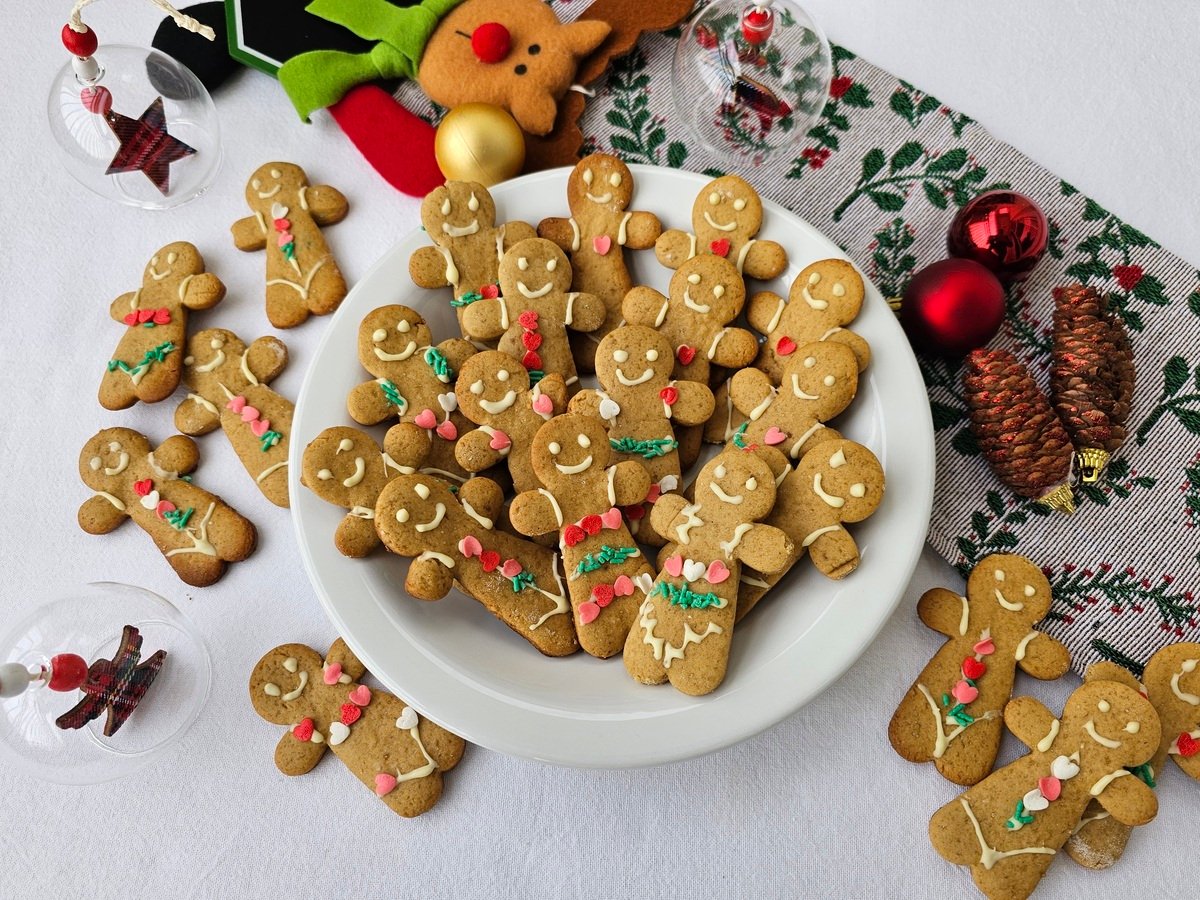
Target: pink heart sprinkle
(426, 419)
(985, 647)
(447, 430)
(470, 546)
(500, 441)
(284, 238)
(717, 572)
(360, 696)
(588, 612)
(164, 506)
(236, 404)
(774, 436)
(162, 316)
(964, 693)
(249, 413)
(674, 565)
(384, 784)
(623, 586)
(611, 519)
(1050, 787)
(333, 672)
(260, 427)
(602, 243)
(543, 404)
(510, 569)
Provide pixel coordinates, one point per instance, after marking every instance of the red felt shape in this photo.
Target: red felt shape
(397, 144)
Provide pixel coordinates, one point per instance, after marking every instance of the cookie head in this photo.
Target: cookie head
(345, 467)
(602, 180)
(283, 681)
(275, 184)
(104, 459)
(1013, 583)
(1112, 721)
(709, 286)
(568, 448)
(829, 286)
(457, 209)
(822, 371)
(738, 487)
(410, 512)
(533, 268)
(846, 476)
(172, 263)
(391, 334)
(212, 353)
(489, 384)
(633, 356)
(727, 205)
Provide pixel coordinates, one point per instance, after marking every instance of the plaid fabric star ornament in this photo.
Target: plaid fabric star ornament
(146, 145)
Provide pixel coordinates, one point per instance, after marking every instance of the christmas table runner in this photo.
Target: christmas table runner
(882, 173)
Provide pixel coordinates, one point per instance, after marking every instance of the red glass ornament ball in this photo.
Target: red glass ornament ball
(67, 672)
(78, 43)
(1002, 230)
(757, 25)
(952, 306)
(96, 100)
(491, 42)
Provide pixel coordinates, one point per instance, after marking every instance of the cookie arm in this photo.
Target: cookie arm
(862, 350)
(351, 665)
(1028, 720)
(1130, 801)
(122, 306)
(515, 232)
(586, 402)
(1190, 765)
(642, 306)
(631, 482)
(296, 757)
(834, 553)
(588, 312)
(178, 454)
(97, 515)
(355, 537)
(457, 351)
(735, 348)
(695, 404)
(474, 453)
(763, 308)
(249, 234)
(192, 417)
(673, 248)
(204, 291)
(642, 230)
(427, 268)
(428, 579)
(266, 358)
(482, 319)
(765, 548)
(485, 496)
(942, 611)
(368, 405)
(1045, 658)
(407, 444)
(532, 513)
(764, 260)
(748, 389)
(554, 387)
(664, 515)
(326, 204)
(558, 230)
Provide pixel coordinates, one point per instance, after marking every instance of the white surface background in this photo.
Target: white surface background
(1103, 92)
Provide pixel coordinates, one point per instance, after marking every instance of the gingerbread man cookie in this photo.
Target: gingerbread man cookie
(197, 532)
(534, 310)
(726, 216)
(584, 490)
(1009, 827)
(382, 740)
(600, 228)
(951, 714)
(302, 276)
(453, 539)
(414, 381)
(685, 625)
(704, 296)
(227, 384)
(345, 467)
(493, 392)
(825, 297)
(147, 362)
(460, 219)
(818, 383)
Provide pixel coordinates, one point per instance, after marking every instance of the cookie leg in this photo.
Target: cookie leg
(197, 569)
(116, 391)
(285, 308)
(640, 647)
(327, 290)
(231, 535)
(913, 730)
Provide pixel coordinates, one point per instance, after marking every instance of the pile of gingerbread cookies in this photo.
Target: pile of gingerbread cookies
(1089, 776)
(572, 513)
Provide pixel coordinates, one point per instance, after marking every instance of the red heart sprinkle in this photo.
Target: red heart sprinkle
(1187, 745)
(531, 339)
(350, 714)
(304, 730)
(489, 559)
(145, 315)
(162, 316)
(531, 360)
(602, 594)
(720, 248)
(142, 488)
(973, 668)
(528, 320)
(572, 535)
(131, 319)
(785, 346)
(489, 291)
(685, 354)
(591, 524)
(669, 395)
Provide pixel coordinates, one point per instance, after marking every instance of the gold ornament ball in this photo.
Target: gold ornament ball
(479, 142)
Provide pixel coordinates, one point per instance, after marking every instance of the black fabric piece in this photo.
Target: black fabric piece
(209, 60)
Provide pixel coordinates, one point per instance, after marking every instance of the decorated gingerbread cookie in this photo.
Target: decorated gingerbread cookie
(227, 387)
(147, 362)
(951, 715)
(819, 382)
(302, 276)
(197, 532)
(584, 490)
(534, 310)
(345, 467)
(452, 539)
(685, 625)
(1009, 827)
(726, 216)
(391, 749)
(597, 233)
(493, 392)
(460, 219)
(414, 382)
(825, 297)
(705, 295)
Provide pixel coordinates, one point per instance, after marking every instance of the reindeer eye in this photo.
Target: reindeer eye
(714, 198)
(839, 290)
(345, 444)
(555, 448)
(324, 474)
(809, 362)
(403, 326)
(521, 69)
(446, 207)
(615, 179)
(720, 472)
(154, 262)
(587, 177)
(1133, 727)
(694, 278)
(378, 335)
(584, 441)
(620, 355)
(829, 380)
(751, 483)
(477, 388)
(114, 446)
(522, 264)
(472, 204)
(652, 355)
(551, 265)
(534, 49)
(739, 204)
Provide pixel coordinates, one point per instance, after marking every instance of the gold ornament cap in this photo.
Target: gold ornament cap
(1060, 499)
(479, 142)
(1091, 462)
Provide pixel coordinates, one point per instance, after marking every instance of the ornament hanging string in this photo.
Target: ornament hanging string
(186, 22)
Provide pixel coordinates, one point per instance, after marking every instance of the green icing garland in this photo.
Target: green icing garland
(522, 580)
(606, 555)
(647, 449)
(269, 440)
(393, 395)
(178, 519)
(466, 299)
(437, 361)
(682, 595)
(158, 354)
(739, 436)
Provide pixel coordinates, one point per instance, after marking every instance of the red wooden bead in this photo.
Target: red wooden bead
(491, 42)
(67, 672)
(79, 44)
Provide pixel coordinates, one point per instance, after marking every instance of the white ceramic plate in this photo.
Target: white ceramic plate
(464, 669)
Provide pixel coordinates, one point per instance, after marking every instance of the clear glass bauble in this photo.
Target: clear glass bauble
(134, 77)
(750, 79)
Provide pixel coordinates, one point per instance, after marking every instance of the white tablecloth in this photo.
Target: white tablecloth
(1102, 92)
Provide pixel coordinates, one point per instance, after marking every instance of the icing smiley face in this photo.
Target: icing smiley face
(820, 372)
(574, 445)
(1016, 585)
(829, 286)
(416, 507)
(634, 356)
(273, 183)
(709, 288)
(1114, 722)
(846, 477)
(603, 180)
(533, 268)
(344, 467)
(282, 684)
(458, 209)
(727, 206)
(489, 385)
(739, 480)
(105, 457)
(178, 260)
(392, 334)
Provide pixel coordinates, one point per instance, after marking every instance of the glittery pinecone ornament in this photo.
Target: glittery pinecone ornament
(1019, 434)
(1092, 378)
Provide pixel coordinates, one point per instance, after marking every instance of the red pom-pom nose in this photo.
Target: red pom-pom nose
(67, 672)
(491, 42)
